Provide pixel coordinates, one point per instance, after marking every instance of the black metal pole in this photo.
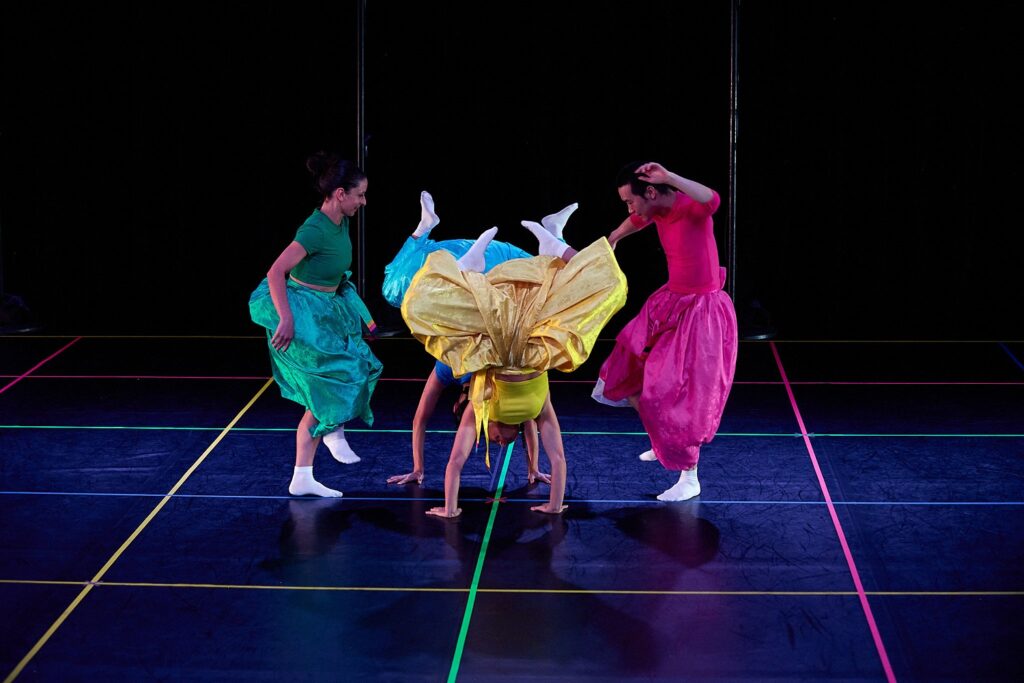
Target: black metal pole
(734, 83)
(361, 139)
(754, 320)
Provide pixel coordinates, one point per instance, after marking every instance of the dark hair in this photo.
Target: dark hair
(627, 176)
(330, 172)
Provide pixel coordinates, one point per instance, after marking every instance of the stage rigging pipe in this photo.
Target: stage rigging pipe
(361, 139)
(734, 83)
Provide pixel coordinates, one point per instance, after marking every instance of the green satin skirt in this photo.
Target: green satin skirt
(328, 367)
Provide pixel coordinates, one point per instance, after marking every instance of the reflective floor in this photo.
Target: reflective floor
(862, 519)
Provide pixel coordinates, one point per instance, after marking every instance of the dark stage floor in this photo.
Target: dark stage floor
(862, 519)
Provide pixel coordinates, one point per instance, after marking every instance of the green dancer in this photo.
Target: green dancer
(314, 320)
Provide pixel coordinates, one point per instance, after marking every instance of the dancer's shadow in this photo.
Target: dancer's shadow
(561, 626)
(311, 528)
(310, 551)
(564, 627)
(675, 530)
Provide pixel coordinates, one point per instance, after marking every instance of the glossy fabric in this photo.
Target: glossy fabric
(328, 368)
(413, 254)
(514, 403)
(679, 355)
(446, 378)
(533, 314)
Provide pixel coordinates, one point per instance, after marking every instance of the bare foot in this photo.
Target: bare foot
(443, 513)
(548, 510)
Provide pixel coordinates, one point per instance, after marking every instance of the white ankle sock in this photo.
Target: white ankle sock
(303, 484)
(473, 260)
(549, 245)
(555, 222)
(648, 456)
(428, 219)
(687, 487)
(339, 448)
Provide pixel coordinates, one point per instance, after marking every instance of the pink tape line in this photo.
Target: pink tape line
(39, 364)
(889, 675)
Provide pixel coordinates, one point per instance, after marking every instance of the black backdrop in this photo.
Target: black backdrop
(153, 161)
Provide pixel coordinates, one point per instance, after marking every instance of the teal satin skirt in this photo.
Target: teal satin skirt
(328, 367)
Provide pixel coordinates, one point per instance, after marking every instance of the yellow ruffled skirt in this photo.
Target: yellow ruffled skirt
(524, 315)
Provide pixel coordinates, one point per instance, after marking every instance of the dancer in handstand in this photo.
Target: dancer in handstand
(413, 254)
(508, 328)
(397, 276)
(675, 361)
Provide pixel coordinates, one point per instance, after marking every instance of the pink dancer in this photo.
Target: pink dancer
(675, 361)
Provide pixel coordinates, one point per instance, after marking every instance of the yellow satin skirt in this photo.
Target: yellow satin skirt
(524, 315)
(537, 313)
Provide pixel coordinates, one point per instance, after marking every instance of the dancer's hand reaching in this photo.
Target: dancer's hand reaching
(614, 238)
(415, 476)
(537, 475)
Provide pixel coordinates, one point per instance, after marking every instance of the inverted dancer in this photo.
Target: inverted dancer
(413, 254)
(397, 276)
(314, 321)
(439, 379)
(509, 328)
(675, 361)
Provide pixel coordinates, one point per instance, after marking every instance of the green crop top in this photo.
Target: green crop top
(328, 250)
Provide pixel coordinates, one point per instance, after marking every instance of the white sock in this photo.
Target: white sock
(549, 245)
(648, 456)
(339, 448)
(473, 260)
(687, 487)
(555, 222)
(303, 484)
(428, 219)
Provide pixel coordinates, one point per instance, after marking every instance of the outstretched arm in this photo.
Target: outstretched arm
(627, 228)
(656, 173)
(533, 472)
(465, 436)
(432, 391)
(551, 437)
